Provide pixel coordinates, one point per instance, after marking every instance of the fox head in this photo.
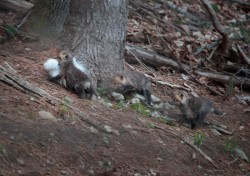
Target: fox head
(119, 79)
(181, 97)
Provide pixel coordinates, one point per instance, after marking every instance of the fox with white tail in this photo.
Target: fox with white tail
(71, 74)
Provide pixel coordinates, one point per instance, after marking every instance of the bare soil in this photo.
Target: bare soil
(32, 146)
(138, 145)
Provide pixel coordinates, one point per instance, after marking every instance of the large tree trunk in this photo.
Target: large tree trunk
(48, 17)
(94, 31)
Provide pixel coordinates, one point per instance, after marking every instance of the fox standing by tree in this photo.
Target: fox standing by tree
(70, 74)
(132, 81)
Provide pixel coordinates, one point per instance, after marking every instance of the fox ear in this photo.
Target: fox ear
(181, 96)
(121, 77)
(68, 56)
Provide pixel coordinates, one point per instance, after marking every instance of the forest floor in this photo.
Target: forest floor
(133, 144)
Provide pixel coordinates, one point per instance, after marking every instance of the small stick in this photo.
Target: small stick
(243, 55)
(150, 70)
(190, 144)
(200, 151)
(24, 19)
(222, 130)
(216, 124)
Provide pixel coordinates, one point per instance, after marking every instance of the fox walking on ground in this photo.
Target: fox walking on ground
(71, 74)
(195, 109)
(132, 81)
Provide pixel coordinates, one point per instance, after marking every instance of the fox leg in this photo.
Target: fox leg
(92, 92)
(147, 95)
(79, 88)
(199, 119)
(186, 115)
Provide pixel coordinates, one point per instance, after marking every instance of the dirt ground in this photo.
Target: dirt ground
(128, 143)
(141, 145)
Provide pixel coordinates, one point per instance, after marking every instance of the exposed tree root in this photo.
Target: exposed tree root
(224, 46)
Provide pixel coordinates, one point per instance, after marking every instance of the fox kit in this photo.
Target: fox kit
(70, 74)
(195, 106)
(132, 81)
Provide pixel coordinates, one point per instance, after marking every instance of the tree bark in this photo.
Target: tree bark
(95, 33)
(93, 30)
(48, 17)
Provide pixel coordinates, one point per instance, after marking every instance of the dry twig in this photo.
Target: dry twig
(197, 81)
(153, 58)
(222, 130)
(243, 55)
(187, 141)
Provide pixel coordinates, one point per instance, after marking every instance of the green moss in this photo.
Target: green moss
(138, 107)
(150, 125)
(215, 7)
(229, 145)
(167, 121)
(246, 34)
(198, 139)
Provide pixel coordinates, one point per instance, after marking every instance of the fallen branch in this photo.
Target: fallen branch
(222, 130)
(21, 84)
(11, 83)
(215, 124)
(237, 69)
(153, 58)
(16, 5)
(187, 141)
(243, 55)
(245, 82)
(174, 85)
(167, 131)
(140, 62)
(223, 47)
(197, 81)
